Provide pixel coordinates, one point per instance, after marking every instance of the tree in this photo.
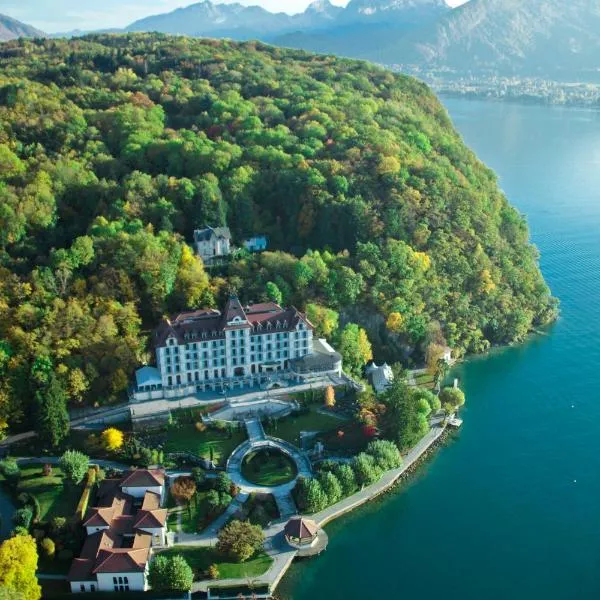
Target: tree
(329, 397)
(74, 465)
(324, 319)
(355, 348)
(112, 439)
(52, 416)
(11, 471)
(223, 482)
(199, 476)
(239, 540)
(365, 469)
(345, 475)
(386, 454)
(18, 564)
(453, 396)
(183, 489)
(402, 421)
(309, 495)
(273, 292)
(170, 573)
(331, 487)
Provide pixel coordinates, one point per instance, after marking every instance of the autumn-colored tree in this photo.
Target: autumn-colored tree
(213, 571)
(18, 564)
(329, 396)
(239, 540)
(183, 489)
(112, 439)
(394, 322)
(48, 547)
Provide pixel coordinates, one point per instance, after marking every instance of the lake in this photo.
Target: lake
(510, 507)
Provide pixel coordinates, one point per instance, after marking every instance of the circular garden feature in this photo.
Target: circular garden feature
(268, 467)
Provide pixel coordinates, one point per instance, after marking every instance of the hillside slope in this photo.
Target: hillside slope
(114, 148)
(11, 29)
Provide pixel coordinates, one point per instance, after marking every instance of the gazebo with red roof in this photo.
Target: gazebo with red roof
(301, 531)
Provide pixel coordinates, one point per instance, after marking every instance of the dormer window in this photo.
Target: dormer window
(285, 324)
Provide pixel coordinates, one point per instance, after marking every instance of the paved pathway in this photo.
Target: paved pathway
(255, 430)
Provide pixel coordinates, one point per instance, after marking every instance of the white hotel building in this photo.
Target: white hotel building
(256, 344)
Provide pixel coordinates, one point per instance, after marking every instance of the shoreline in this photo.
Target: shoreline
(283, 559)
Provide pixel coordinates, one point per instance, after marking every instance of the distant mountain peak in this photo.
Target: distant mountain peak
(11, 29)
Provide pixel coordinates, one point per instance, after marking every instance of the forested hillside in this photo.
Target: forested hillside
(113, 149)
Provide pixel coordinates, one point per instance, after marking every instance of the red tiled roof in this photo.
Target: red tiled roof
(144, 478)
(100, 517)
(122, 560)
(300, 528)
(151, 519)
(151, 501)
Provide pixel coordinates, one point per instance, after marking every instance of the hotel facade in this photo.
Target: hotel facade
(256, 344)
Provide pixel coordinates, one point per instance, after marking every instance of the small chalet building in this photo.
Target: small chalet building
(381, 377)
(212, 242)
(256, 344)
(258, 243)
(121, 532)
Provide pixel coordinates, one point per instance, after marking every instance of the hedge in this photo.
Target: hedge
(87, 492)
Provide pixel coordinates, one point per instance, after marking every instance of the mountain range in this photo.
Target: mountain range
(548, 38)
(11, 29)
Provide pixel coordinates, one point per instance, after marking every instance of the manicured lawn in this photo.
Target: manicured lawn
(186, 438)
(268, 467)
(425, 380)
(196, 516)
(57, 498)
(200, 558)
(290, 427)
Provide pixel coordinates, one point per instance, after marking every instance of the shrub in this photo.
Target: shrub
(452, 396)
(201, 427)
(22, 517)
(112, 439)
(366, 469)
(47, 470)
(58, 525)
(213, 571)
(48, 547)
(183, 489)
(386, 454)
(20, 530)
(329, 397)
(74, 465)
(239, 540)
(86, 494)
(199, 476)
(347, 479)
(10, 469)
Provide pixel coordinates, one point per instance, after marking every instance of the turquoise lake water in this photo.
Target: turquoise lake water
(510, 507)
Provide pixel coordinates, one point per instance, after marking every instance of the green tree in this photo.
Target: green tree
(345, 475)
(365, 469)
(74, 465)
(386, 454)
(331, 487)
(170, 574)
(273, 292)
(355, 348)
(453, 396)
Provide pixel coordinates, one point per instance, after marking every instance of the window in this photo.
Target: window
(115, 580)
(125, 580)
(92, 588)
(82, 588)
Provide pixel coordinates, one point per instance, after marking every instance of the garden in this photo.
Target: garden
(268, 467)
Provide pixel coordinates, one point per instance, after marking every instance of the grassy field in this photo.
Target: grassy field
(57, 497)
(268, 467)
(186, 438)
(200, 558)
(195, 517)
(290, 427)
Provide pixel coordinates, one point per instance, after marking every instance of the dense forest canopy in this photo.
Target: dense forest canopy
(114, 148)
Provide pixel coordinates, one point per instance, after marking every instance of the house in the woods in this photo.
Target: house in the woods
(258, 243)
(212, 243)
(381, 377)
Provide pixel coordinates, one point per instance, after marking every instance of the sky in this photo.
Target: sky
(65, 15)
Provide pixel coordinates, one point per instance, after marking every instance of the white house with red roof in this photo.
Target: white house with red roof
(124, 527)
(244, 345)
